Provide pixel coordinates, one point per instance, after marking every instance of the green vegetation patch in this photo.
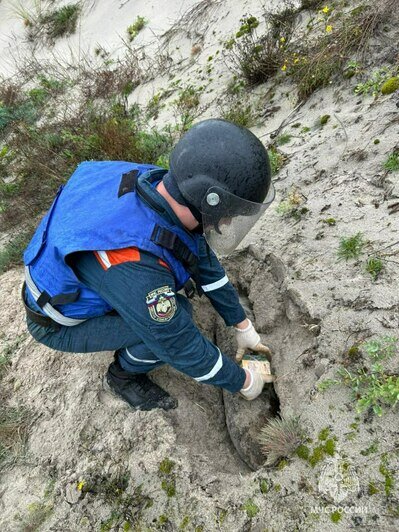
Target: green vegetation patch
(374, 267)
(392, 163)
(292, 206)
(381, 80)
(351, 247)
(313, 56)
(166, 466)
(285, 138)
(324, 119)
(277, 160)
(303, 452)
(336, 516)
(324, 434)
(252, 57)
(127, 501)
(264, 485)
(388, 474)
(250, 508)
(317, 455)
(372, 387)
(239, 113)
(135, 28)
(390, 85)
(168, 477)
(61, 22)
(42, 156)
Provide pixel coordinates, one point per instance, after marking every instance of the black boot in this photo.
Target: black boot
(137, 389)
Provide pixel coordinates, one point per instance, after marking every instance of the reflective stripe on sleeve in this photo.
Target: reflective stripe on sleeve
(217, 284)
(217, 367)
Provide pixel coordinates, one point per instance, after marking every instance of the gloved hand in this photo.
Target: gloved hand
(248, 338)
(255, 387)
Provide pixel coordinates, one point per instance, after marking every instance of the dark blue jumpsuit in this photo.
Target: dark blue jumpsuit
(144, 342)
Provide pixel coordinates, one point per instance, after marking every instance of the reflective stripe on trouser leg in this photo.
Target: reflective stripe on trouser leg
(135, 362)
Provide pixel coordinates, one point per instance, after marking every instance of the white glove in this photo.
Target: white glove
(255, 387)
(248, 338)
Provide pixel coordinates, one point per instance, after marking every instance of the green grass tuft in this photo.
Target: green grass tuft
(285, 138)
(351, 247)
(250, 508)
(239, 113)
(372, 488)
(392, 163)
(61, 22)
(264, 486)
(336, 516)
(317, 455)
(169, 487)
(277, 160)
(166, 466)
(324, 119)
(323, 434)
(135, 28)
(329, 447)
(374, 267)
(303, 452)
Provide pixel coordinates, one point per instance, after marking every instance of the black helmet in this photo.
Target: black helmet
(222, 172)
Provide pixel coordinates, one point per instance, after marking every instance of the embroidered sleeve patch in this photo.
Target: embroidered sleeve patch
(161, 304)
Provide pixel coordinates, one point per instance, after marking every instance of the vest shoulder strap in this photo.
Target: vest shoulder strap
(169, 240)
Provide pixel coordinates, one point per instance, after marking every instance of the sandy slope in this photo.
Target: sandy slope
(310, 307)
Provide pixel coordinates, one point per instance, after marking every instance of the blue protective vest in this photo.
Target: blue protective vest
(98, 209)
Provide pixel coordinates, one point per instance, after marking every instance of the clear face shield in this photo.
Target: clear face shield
(227, 219)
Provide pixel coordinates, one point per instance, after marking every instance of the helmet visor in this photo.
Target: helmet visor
(227, 219)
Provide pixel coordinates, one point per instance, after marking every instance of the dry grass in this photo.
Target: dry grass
(14, 421)
(108, 80)
(45, 155)
(280, 438)
(13, 432)
(45, 132)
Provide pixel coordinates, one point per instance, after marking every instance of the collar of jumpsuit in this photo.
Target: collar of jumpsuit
(150, 190)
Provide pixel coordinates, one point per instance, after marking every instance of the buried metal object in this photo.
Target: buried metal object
(244, 419)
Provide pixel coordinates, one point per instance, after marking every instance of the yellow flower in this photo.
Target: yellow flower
(296, 60)
(284, 68)
(326, 9)
(329, 29)
(81, 484)
(282, 39)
